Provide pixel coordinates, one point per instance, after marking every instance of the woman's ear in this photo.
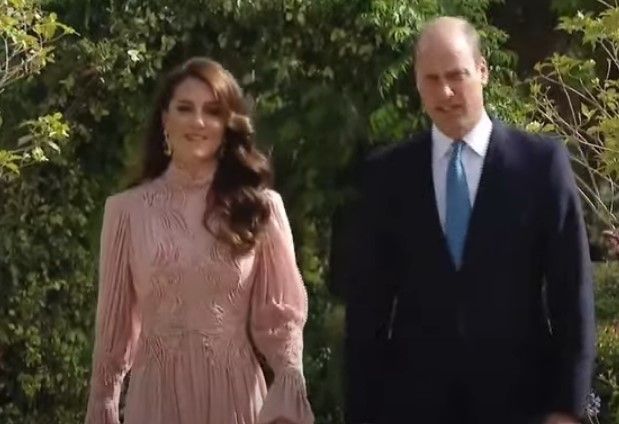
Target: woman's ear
(164, 119)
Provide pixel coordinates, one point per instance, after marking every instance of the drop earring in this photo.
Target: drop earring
(167, 149)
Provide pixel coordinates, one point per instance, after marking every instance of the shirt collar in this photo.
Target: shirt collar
(477, 139)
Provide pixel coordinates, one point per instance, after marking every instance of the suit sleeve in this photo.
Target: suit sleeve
(569, 289)
(369, 298)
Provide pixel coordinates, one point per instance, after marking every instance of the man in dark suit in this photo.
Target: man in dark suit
(468, 281)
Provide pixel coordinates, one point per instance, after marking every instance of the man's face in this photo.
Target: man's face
(450, 82)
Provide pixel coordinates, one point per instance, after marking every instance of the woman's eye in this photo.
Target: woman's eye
(212, 110)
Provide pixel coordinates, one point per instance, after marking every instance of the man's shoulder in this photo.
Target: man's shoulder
(401, 151)
(532, 144)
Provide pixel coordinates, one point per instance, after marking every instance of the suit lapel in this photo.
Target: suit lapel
(425, 204)
(489, 192)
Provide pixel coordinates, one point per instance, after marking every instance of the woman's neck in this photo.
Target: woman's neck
(195, 173)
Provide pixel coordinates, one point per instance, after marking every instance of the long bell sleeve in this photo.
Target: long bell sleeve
(117, 321)
(278, 314)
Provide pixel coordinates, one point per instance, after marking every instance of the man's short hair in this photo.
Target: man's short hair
(468, 31)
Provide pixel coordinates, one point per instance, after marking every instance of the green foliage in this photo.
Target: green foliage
(47, 290)
(28, 36)
(607, 306)
(571, 7)
(607, 292)
(43, 138)
(577, 97)
(607, 383)
(329, 79)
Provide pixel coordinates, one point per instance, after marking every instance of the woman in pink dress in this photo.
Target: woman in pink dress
(197, 271)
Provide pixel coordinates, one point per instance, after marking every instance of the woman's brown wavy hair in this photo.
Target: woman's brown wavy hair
(237, 195)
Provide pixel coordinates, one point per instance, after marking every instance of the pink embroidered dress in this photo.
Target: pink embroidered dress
(178, 310)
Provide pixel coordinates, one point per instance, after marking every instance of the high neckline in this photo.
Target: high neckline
(183, 178)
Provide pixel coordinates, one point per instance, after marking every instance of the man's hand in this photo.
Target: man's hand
(559, 418)
(612, 242)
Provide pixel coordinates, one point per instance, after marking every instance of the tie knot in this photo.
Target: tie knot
(458, 145)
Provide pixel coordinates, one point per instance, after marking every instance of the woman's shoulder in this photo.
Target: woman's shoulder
(277, 209)
(274, 200)
(271, 195)
(132, 197)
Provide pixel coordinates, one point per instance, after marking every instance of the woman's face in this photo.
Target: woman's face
(193, 122)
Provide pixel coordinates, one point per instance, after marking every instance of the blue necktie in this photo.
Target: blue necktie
(458, 204)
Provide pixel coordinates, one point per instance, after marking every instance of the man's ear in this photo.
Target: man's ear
(484, 71)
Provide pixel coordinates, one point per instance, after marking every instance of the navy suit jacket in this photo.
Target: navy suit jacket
(510, 334)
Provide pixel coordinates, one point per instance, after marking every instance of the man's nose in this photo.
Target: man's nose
(446, 90)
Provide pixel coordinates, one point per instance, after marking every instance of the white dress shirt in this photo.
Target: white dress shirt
(473, 154)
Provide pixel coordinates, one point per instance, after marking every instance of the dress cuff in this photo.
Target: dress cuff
(287, 399)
